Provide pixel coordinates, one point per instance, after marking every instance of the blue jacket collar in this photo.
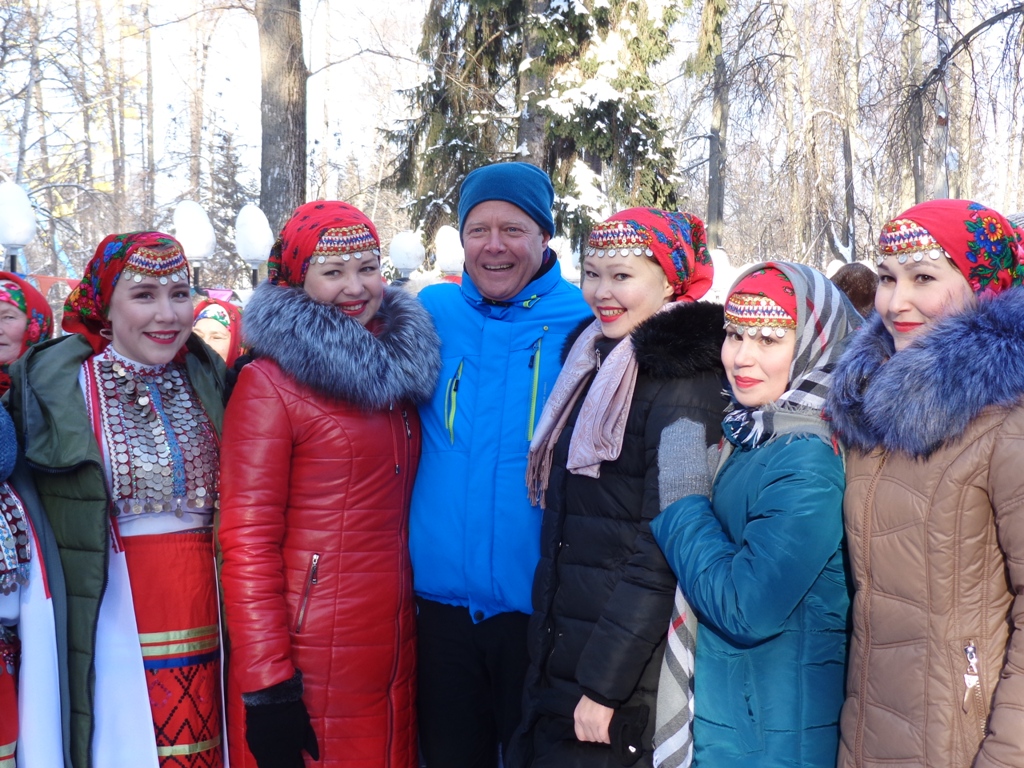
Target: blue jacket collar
(526, 298)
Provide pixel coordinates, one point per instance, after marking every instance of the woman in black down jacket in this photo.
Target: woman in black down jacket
(603, 593)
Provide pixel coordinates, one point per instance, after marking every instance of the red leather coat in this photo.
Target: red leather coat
(316, 573)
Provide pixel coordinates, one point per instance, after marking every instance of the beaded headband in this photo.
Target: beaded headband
(618, 238)
(345, 242)
(906, 239)
(757, 313)
(166, 264)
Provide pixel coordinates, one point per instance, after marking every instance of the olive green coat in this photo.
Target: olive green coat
(48, 408)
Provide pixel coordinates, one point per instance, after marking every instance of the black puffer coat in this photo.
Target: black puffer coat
(602, 595)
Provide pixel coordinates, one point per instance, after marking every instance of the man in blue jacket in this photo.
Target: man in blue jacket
(474, 536)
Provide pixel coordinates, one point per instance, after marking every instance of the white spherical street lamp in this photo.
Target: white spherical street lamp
(17, 222)
(194, 231)
(253, 238)
(406, 253)
(451, 258)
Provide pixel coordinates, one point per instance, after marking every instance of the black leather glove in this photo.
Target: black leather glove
(277, 734)
(626, 731)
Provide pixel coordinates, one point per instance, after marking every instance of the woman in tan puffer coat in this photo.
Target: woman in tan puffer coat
(928, 397)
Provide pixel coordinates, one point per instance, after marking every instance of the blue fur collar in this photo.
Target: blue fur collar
(335, 356)
(926, 396)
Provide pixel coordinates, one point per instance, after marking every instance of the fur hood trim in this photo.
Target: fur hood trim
(927, 395)
(335, 356)
(679, 343)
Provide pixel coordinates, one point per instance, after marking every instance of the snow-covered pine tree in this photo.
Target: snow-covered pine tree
(607, 140)
(464, 113)
(604, 141)
(229, 190)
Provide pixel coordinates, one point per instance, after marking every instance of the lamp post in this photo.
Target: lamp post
(17, 222)
(194, 231)
(406, 253)
(253, 238)
(448, 248)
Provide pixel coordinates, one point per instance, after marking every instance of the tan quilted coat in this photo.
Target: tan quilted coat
(926, 546)
(934, 513)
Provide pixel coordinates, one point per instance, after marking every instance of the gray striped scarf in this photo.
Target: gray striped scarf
(824, 319)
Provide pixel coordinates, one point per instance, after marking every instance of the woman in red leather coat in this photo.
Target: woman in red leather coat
(321, 441)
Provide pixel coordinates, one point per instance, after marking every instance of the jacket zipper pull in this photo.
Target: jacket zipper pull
(394, 444)
(971, 676)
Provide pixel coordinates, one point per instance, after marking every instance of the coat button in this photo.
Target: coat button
(478, 616)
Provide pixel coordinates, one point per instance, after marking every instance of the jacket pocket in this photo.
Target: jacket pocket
(971, 698)
(451, 401)
(307, 590)
(745, 706)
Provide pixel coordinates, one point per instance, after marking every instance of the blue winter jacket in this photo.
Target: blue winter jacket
(762, 565)
(474, 537)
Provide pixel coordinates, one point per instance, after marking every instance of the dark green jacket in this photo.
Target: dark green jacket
(48, 408)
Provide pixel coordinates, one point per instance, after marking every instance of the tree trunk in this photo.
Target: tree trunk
(47, 173)
(913, 74)
(531, 139)
(844, 244)
(717, 155)
(202, 32)
(282, 109)
(940, 136)
(85, 107)
(30, 88)
(120, 177)
(149, 202)
(107, 97)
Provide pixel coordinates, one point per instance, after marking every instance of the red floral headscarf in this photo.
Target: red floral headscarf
(343, 228)
(150, 254)
(675, 240)
(226, 314)
(25, 298)
(982, 243)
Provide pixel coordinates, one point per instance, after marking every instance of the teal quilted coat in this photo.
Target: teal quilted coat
(763, 567)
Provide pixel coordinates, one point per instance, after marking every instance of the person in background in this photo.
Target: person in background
(321, 441)
(34, 707)
(474, 536)
(603, 593)
(219, 324)
(120, 421)
(25, 319)
(929, 398)
(858, 281)
(762, 560)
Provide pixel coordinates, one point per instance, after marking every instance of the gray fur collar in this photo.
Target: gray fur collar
(335, 356)
(925, 396)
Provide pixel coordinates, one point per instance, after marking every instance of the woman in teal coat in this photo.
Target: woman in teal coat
(761, 563)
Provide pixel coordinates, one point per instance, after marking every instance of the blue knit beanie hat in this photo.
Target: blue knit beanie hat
(521, 184)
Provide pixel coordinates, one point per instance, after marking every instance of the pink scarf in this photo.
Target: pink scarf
(601, 425)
